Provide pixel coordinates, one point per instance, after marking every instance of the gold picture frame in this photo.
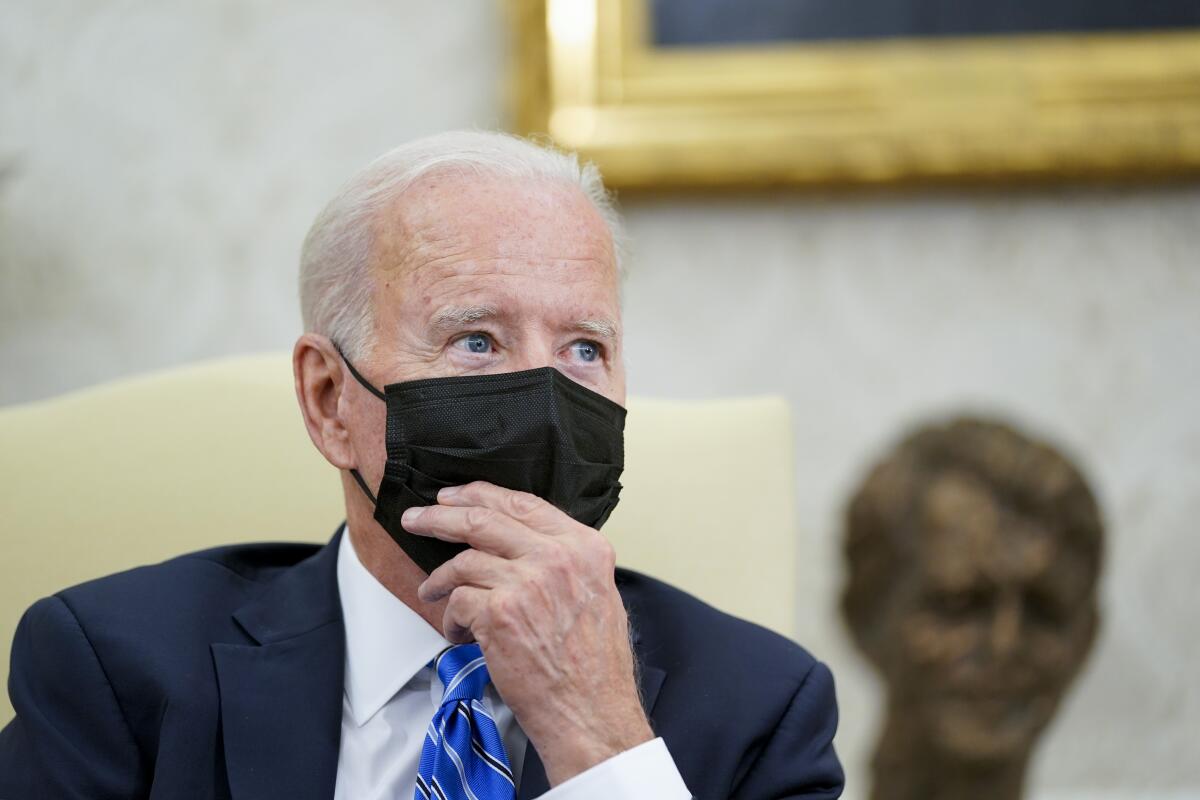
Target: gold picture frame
(1005, 107)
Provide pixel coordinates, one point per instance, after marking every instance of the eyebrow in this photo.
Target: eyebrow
(603, 328)
(460, 317)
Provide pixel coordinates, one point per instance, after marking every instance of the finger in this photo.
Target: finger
(464, 607)
(481, 528)
(528, 508)
(468, 568)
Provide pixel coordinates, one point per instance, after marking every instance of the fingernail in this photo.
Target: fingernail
(411, 515)
(449, 492)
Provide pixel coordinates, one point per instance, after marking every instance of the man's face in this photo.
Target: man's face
(994, 621)
(482, 274)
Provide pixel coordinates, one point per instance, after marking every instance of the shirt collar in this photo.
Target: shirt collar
(387, 643)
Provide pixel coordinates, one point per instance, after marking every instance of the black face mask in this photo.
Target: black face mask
(535, 431)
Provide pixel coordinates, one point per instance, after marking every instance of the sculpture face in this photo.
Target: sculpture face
(989, 621)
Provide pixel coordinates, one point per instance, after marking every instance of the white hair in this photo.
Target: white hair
(335, 265)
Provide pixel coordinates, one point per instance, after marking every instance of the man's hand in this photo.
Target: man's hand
(537, 593)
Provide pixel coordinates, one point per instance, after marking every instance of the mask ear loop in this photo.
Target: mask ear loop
(354, 473)
(370, 387)
(358, 478)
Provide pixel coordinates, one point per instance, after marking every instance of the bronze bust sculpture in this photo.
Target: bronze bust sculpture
(973, 554)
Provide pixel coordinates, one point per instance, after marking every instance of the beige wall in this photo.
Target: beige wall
(160, 162)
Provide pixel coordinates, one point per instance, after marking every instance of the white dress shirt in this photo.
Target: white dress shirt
(391, 694)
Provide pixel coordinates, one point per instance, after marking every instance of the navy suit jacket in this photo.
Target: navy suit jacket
(219, 675)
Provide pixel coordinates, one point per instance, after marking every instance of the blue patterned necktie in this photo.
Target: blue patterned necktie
(463, 757)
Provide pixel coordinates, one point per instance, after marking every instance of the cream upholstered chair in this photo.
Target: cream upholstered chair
(139, 470)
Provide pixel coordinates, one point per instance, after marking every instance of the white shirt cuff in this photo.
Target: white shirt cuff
(645, 772)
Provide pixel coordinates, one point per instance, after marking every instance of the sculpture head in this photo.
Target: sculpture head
(973, 555)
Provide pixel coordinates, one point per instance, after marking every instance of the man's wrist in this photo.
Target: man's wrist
(569, 755)
(644, 772)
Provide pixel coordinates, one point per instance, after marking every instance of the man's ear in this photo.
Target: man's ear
(317, 369)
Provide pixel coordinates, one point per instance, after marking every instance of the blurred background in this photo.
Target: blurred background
(161, 161)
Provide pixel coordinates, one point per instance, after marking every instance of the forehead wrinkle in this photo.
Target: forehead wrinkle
(465, 278)
(443, 248)
(406, 235)
(457, 253)
(414, 252)
(424, 240)
(422, 227)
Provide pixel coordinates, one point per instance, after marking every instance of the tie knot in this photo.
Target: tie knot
(463, 672)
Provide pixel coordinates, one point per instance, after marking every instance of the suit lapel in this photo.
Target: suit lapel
(281, 698)
(533, 776)
(533, 773)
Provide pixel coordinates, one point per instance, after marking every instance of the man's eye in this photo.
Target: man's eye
(475, 343)
(586, 351)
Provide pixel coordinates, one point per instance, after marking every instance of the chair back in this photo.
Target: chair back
(140, 470)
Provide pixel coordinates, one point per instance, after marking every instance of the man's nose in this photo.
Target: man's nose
(533, 355)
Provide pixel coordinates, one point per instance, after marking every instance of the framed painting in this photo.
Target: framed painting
(711, 93)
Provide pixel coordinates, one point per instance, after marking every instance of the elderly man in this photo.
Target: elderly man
(465, 634)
